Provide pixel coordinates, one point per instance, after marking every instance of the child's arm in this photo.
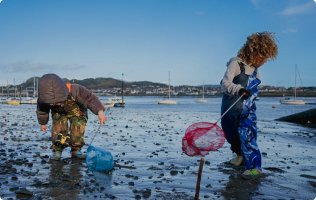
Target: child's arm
(87, 98)
(42, 113)
(227, 84)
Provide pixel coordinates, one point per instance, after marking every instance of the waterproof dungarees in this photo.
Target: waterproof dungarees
(240, 123)
(76, 114)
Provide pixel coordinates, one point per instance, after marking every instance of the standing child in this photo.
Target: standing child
(242, 78)
(67, 102)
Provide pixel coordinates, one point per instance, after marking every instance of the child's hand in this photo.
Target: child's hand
(244, 92)
(102, 117)
(44, 128)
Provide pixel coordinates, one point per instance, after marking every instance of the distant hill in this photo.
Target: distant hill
(100, 83)
(211, 86)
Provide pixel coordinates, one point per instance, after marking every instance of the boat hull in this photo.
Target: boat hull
(293, 102)
(201, 101)
(119, 104)
(167, 102)
(14, 102)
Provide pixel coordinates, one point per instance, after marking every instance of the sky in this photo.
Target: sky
(145, 39)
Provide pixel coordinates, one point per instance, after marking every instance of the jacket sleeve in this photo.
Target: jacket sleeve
(87, 98)
(42, 112)
(227, 84)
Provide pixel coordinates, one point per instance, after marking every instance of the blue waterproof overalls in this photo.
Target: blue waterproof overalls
(240, 123)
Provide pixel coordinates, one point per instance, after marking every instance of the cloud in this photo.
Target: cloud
(199, 13)
(28, 66)
(299, 9)
(0, 1)
(255, 2)
(290, 30)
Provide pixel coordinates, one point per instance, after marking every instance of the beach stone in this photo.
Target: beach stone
(173, 172)
(24, 191)
(313, 183)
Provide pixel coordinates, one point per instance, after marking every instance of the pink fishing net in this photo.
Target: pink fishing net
(202, 137)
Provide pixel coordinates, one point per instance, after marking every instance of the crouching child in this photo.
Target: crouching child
(67, 103)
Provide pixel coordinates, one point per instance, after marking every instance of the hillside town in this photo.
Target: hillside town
(214, 90)
(157, 90)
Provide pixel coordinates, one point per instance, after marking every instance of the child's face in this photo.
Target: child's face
(259, 63)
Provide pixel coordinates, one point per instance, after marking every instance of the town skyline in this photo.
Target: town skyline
(110, 86)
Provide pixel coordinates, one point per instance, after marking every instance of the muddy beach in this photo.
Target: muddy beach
(149, 162)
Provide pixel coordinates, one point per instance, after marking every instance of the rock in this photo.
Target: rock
(24, 191)
(173, 172)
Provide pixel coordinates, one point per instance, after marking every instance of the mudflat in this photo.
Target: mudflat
(149, 162)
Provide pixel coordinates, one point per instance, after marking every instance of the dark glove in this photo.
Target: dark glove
(244, 92)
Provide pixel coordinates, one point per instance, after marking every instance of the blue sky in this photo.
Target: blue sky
(145, 39)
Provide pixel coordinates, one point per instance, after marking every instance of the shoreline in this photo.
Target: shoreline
(281, 95)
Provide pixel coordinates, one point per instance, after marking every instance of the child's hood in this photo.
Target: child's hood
(52, 89)
(233, 59)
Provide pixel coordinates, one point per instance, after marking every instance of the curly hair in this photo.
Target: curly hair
(259, 46)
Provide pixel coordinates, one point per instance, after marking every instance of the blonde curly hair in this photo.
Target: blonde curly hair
(259, 46)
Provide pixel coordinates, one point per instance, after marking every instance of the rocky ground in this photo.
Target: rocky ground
(149, 162)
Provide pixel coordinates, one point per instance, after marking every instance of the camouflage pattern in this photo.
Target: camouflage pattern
(76, 114)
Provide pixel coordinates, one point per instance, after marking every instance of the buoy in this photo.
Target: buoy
(273, 106)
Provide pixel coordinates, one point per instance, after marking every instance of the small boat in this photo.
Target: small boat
(202, 100)
(168, 101)
(29, 100)
(291, 101)
(116, 102)
(294, 101)
(10, 99)
(13, 102)
(108, 105)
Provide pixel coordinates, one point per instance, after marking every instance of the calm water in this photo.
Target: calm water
(187, 104)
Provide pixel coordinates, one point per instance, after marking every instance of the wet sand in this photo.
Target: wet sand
(149, 162)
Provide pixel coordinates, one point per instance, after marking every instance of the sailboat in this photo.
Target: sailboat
(294, 101)
(31, 100)
(168, 101)
(202, 100)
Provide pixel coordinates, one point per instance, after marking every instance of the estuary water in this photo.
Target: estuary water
(265, 110)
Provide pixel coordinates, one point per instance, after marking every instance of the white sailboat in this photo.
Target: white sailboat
(202, 100)
(294, 101)
(168, 101)
(31, 100)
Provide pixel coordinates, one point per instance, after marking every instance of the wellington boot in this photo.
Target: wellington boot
(252, 174)
(56, 155)
(78, 154)
(237, 161)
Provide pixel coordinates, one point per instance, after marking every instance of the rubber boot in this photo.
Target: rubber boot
(252, 174)
(78, 154)
(56, 155)
(237, 161)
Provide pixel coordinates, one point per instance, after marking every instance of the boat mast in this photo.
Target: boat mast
(169, 84)
(295, 84)
(14, 87)
(34, 87)
(122, 105)
(203, 90)
(37, 88)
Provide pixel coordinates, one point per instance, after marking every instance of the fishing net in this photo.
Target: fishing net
(202, 137)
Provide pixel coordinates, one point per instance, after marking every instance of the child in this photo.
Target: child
(242, 78)
(67, 102)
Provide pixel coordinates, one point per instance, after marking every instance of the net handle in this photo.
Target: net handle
(106, 112)
(230, 108)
